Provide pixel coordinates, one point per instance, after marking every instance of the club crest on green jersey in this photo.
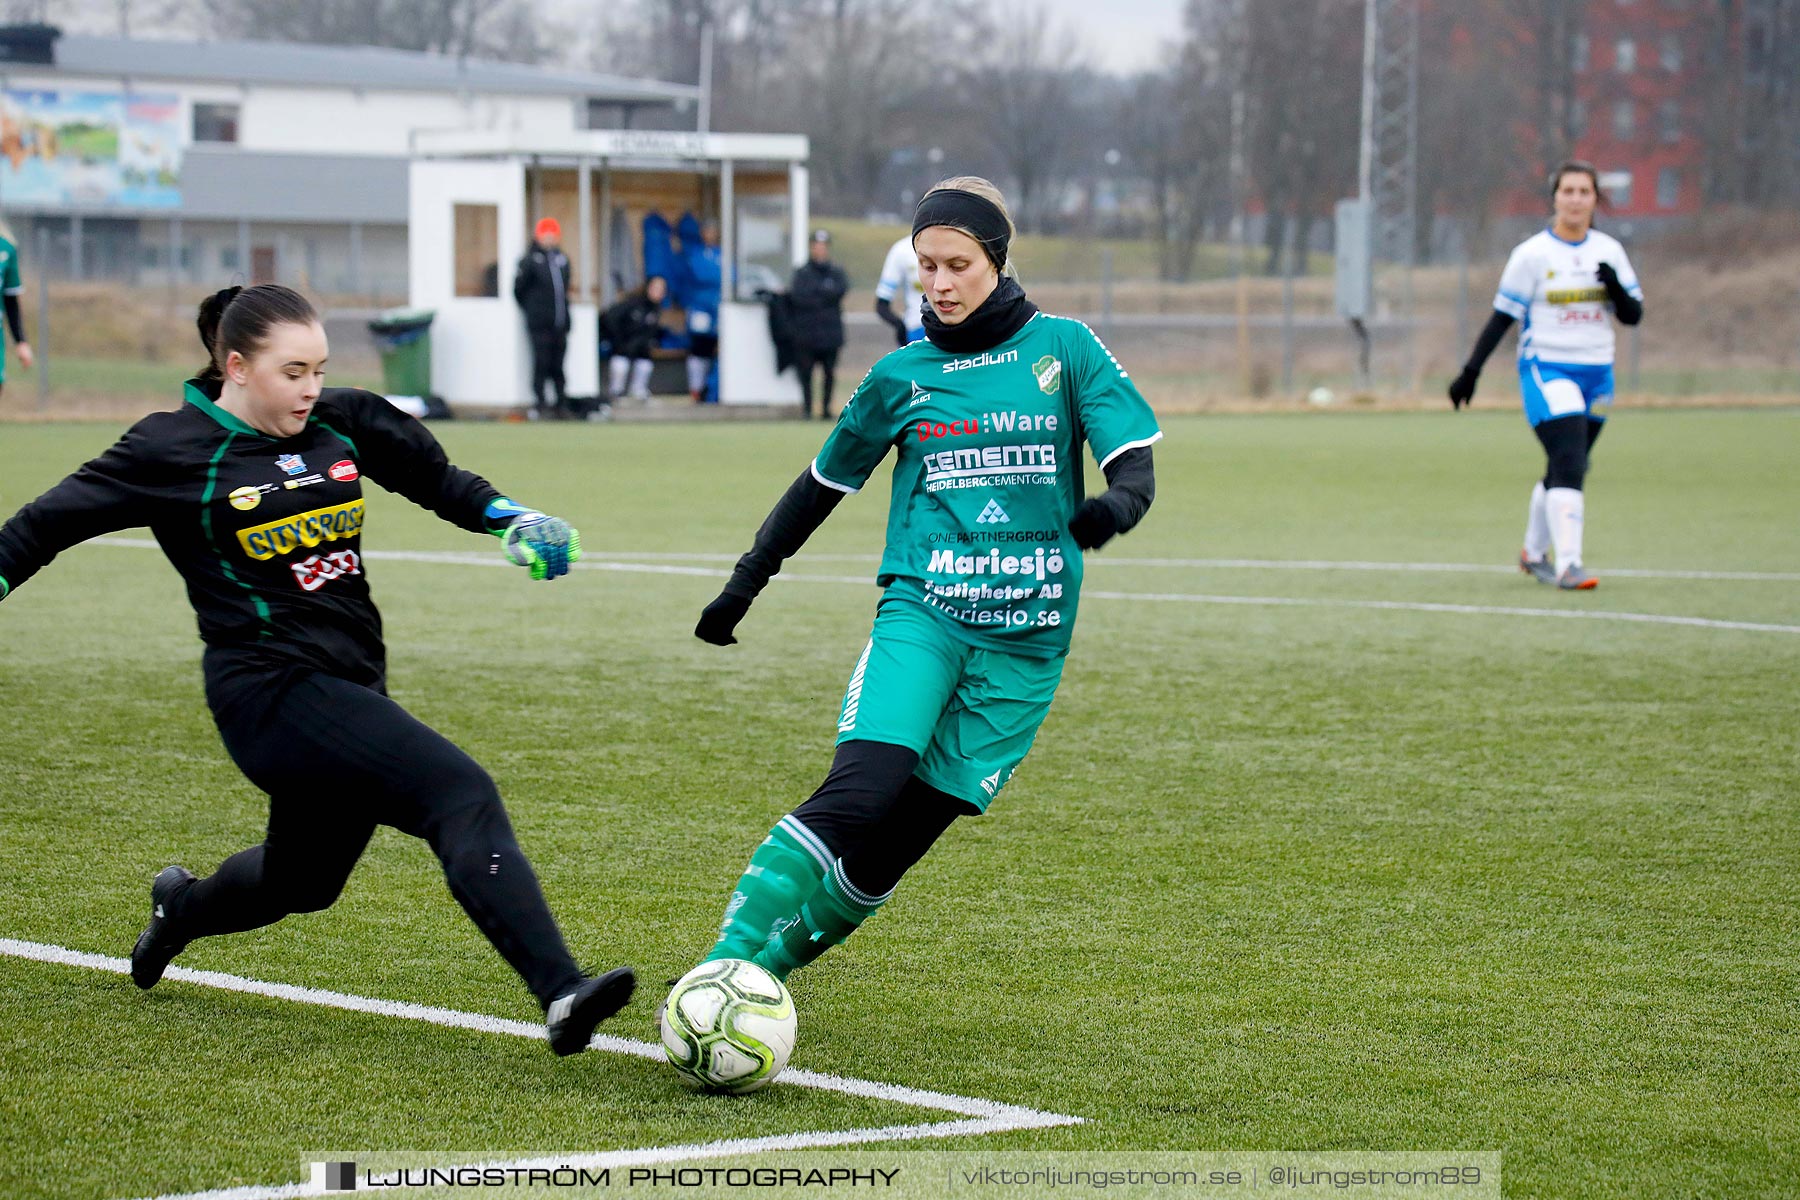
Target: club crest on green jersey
(1049, 374)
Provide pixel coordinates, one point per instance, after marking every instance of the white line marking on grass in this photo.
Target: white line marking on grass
(1326, 564)
(984, 1116)
(627, 560)
(466, 558)
(1500, 610)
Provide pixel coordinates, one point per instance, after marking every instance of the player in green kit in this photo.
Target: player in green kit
(10, 290)
(982, 570)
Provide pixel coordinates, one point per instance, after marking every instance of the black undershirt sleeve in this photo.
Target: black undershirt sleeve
(15, 320)
(1490, 336)
(1130, 487)
(801, 509)
(885, 311)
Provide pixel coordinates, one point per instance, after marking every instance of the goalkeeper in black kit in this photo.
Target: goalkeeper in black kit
(253, 488)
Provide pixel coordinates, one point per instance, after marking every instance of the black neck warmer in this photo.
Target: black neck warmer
(1001, 315)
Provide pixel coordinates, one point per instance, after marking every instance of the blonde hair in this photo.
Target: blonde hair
(976, 185)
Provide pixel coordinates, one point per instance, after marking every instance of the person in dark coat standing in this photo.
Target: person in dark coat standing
(816, 304)
(542, 289)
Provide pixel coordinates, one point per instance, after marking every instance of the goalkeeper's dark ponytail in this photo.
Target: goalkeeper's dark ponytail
(239, 318)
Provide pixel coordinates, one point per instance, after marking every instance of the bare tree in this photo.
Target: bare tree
(837, 70)
(1023, 92)
(1553, 31)
(1301, 67)
(1468, 143)
(1176, 128)
(508, 29)
(1750, 107)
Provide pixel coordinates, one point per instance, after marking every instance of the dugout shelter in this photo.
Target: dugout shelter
(475, 197)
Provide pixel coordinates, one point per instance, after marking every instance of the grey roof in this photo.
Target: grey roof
(370, 67)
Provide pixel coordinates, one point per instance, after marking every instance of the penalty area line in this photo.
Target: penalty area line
(979, 1116)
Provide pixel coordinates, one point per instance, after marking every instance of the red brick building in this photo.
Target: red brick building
(1638, 111)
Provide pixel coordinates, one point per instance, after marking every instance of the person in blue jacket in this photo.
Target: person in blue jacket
(706, 273)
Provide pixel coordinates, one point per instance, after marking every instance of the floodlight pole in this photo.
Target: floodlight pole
(704, 124)
(1387, 168)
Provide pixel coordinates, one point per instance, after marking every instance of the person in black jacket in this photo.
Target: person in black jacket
(632, 327)
(541, 287)
(253, 488)
(816, 318)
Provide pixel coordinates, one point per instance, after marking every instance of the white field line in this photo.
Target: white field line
(983, 1116)
(1500, 610)
(467, 558)
(604, 559)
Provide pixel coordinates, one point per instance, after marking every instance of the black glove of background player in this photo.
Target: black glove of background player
(1462, 388)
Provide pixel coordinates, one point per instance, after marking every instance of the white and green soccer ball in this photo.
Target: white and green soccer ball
(728, 1026)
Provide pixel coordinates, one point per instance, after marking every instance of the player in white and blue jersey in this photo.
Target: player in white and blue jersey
(900, 282)
(1566, 284)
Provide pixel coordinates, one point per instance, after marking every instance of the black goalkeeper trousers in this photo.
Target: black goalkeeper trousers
(804, 362)
(338, 759)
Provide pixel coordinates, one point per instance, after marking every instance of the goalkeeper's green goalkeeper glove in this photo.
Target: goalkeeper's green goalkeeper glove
(543, 544)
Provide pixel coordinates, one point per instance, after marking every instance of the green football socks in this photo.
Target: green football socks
(784, 871)
(832, 913)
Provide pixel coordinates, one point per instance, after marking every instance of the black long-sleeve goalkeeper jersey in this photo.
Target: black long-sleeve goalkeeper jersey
(266, 532)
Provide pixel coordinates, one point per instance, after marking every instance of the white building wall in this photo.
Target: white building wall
(325, 121)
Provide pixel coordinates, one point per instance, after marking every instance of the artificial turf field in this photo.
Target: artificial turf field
(1306, 857)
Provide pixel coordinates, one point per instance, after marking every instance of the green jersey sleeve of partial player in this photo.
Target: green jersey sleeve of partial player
(1115, 417)
(10, 283)
(865, 431)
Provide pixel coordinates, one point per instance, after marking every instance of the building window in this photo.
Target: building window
(1625, 56)
(1617, 186)
(477, 263)
(1578, 53)
(215, 123)
(1624, 120)
(1671, 52)
(1578, 119)
(1668, 187)
(1669, 120)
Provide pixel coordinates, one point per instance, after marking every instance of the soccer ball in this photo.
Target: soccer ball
(1321, 396)
(728, 1026)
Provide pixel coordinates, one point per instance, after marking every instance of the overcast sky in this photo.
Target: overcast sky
(1124, 35)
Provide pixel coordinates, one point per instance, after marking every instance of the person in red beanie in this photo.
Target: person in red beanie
(542, 289)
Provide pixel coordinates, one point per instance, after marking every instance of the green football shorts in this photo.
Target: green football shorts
(971, 713)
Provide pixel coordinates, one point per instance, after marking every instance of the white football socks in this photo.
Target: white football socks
(1564, 508)
(1537, 525)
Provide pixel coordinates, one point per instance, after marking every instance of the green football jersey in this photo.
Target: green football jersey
(988, 473)
(9, 275)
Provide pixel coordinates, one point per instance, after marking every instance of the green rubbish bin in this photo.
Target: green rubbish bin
(403, 338)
